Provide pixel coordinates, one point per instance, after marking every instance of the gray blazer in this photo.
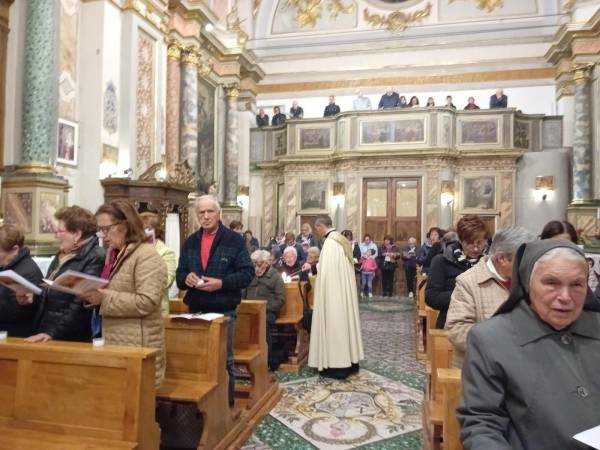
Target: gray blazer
(527, 386)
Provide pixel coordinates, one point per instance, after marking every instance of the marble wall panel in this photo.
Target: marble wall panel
(586, 225)
(270, 208)
(291, 189)
(552, 134)
(507, 212)
(206, 130)
(431, 190)
(67, 59)
(145, 102)
(353, 204)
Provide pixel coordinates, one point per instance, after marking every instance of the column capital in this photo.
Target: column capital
(191, 56)
(582, 72)
(205, 67)
(174, 50)
(232, 90)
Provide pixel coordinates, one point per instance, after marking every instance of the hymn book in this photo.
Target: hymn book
(76, 283)
(206, 316)
(17, 283)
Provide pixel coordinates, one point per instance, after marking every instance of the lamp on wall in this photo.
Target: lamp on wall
(339, 191)
(243, 196)
(544, 186)
(447, 195)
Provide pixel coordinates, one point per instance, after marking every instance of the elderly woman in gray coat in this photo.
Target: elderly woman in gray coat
(530, 378)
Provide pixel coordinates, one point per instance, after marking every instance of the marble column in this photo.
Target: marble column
(40, 100)
(173, 104)
(4, 16)
(231, 146)
(582, 142)
(189, 107)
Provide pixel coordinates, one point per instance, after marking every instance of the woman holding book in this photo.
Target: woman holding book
(16, 318)
(130, 305)
(63, 316)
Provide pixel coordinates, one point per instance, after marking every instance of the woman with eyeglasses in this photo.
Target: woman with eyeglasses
(63, 316)
(130, 304)
(457, 257)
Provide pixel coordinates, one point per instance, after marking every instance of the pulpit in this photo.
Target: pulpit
(153, 194)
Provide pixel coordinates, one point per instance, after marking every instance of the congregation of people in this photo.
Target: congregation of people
(389, 100)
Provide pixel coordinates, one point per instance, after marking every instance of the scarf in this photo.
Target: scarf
(454, 252)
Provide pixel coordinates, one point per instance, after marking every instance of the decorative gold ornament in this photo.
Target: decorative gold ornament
(191, 56)
(174, 51)
(335, 7)
(205, 68)
(146, 10)
(582, 72)
(489, 5)
(396, 21)
(309, 11)
(232, 90)
(255, 7)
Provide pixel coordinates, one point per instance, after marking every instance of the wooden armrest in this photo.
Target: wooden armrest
(449, 376)
(246, 355)
(25, 439)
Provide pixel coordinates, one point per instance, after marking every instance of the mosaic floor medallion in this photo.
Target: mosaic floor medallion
(364, 409)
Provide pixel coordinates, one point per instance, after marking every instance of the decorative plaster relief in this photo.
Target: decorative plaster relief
(292, 16)
(506, 199)
(291, 187)
(353, 204)
(522, 134)
(145, 102)
(432, 199)
(455, 10)
(110, 109)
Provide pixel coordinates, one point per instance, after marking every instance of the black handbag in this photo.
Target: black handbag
(306, 311)
(180, 424)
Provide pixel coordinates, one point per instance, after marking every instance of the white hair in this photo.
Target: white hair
(260, 255)
(313, 251)
(507, 240)
(211, 198)
(290, 250)
(563, 253)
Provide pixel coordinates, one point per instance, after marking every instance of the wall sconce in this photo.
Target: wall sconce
(243, 196)
(339, 192)
(447, 195)
(544, 185)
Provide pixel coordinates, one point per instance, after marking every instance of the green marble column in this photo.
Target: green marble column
(40, 102)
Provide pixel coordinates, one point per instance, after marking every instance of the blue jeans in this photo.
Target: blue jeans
(367, 281)
(230, 366)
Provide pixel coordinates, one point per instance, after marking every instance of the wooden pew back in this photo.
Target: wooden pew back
(75, 389)
(250, 325)
(431, 316)
(442, 359)
(450, 381)
(176, 306)
(293, 308)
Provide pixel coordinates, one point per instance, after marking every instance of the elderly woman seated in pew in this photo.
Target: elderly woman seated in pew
(289, 266)
(15, 318)
(482, 289)
(310, 265)
(131, 303)
(266, 285)
(530, 377)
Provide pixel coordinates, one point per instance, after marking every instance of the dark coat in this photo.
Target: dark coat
(228, 261)
(440, 284)
(296, 113)
(299, 251)
(18, 320)
(62, 315)
(262, 121)
(312, 240)
(269, 287)
(331, 110)
(278, 119)
(432, 252)
(389, 101)
(498, 103)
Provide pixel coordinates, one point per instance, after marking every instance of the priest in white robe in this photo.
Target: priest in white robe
(335, 338)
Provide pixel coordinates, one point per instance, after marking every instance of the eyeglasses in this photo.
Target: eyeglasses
(480, 244)
(106, 228)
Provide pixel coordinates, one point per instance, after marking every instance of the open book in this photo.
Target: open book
(76, 283)
(205, 316)
(17, 283)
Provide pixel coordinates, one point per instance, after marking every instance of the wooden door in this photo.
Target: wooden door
(392, 206)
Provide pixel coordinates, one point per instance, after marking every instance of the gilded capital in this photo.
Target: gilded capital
(582, 72)
(232, 90)
(204, 68)
(191, 56)
(174, 51)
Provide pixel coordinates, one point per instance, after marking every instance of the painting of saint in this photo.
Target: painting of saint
(49, 204)
(313, 194)
(315, 138)
(479, 192)
(66, 152)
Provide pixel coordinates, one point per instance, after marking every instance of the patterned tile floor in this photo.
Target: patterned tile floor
(377, 410)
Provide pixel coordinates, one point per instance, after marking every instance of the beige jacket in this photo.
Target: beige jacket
(476, 297)
(131, 313)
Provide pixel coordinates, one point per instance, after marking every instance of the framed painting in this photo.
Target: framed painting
(19, 210)
(479, 131)
(314, 138)
(479, 192)
(49, 204)
(67, 142)
(392, 132)
(313, 195)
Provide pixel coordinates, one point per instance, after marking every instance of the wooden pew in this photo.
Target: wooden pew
(72, 396)
(441, 355)
(262, 392)
(421, 319)
(176, 306)
(195, 373)
(450, 381)
(289, 323)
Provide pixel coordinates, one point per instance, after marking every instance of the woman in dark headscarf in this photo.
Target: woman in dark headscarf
(530, 378)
